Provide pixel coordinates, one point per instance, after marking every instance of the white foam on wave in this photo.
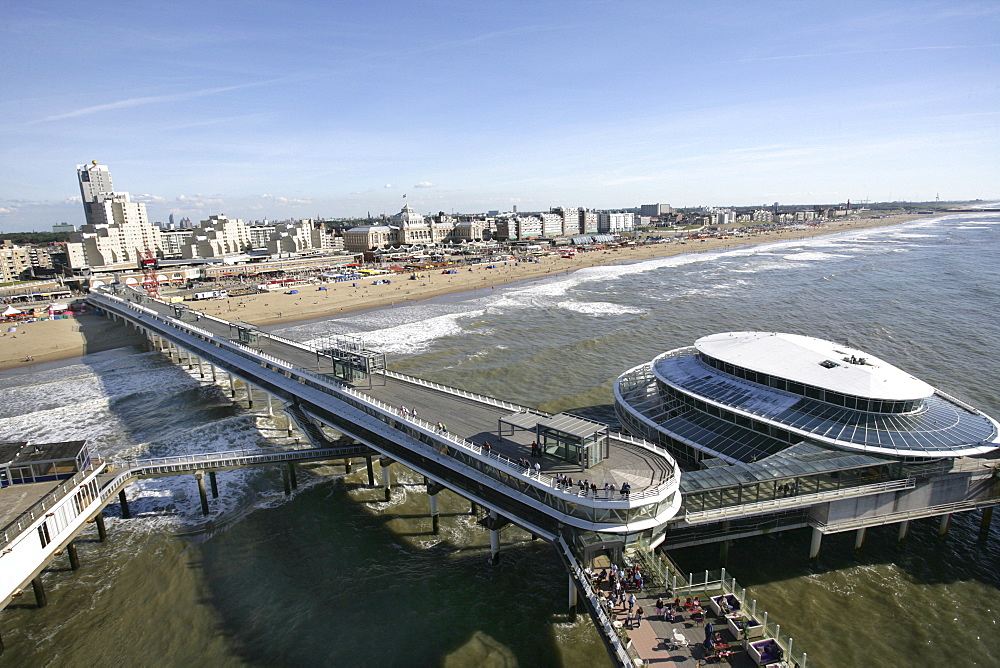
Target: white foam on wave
(816, 256)
(767, 266)
(414, 335)
(90, 420)
(599, 308)
(52, 389)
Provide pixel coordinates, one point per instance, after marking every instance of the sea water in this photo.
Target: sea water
(335, 575)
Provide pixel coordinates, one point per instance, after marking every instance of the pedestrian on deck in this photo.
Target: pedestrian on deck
(638, 616)
(538, 469)
(414, 413)
(659, 608)
(631, 601)
(402, 411)
(534, 449)
(593, 489)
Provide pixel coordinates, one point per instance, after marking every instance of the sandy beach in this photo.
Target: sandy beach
(59, 339)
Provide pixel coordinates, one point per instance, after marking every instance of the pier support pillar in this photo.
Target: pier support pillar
(286, 482)
(36, 585)
(213, 372)
(494, 540)
(386, 477)
(348, 465)
(74, 558)
(123, 501)
(291, 475)
(102, 531)
(724, 546)
(984, 523)
(249, 395)
(945, 525)
(371, 470)
(214, 484)
(473, 509)
(201, 367)
(904, 530)
(232, 388)
(435, 520)
(270, 406)
(859, 539)
(200, 477)
(817, 541)
(572, 598)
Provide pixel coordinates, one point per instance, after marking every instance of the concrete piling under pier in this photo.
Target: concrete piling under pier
(102, 531)
(214, 484)
(200, 477)
(433, 489)
(945, 525)
(36, 585)
(817, 542)
(904, 530)
(123, 502)
(291, 475)
(371, 470)
(74, 559)
(494, 539)
(984, 523)
(385, 463)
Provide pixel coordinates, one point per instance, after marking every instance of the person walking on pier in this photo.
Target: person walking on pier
(538, 470)
(638, 616)
(631, 601)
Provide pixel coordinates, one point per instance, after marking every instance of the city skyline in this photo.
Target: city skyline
(306, 109)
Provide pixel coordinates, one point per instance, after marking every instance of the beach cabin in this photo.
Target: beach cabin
(22, 463)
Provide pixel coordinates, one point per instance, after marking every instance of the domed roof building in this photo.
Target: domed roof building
(746, 396)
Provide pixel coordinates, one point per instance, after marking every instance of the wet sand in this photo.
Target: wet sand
(59, 339)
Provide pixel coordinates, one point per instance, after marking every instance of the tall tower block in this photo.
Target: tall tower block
(94, 180)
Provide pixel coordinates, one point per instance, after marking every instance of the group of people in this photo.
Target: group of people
(588, 488)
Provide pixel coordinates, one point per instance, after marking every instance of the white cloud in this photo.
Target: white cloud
(278, 199)
(199, 201)
(389, 186)
(3, 210)
(146, 198)
(153, 99)
(424, 184)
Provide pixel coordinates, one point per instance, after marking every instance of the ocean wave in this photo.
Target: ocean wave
(815, 256)
(599, 308)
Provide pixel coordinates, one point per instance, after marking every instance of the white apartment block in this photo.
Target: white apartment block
(615, 223)
(552, 224)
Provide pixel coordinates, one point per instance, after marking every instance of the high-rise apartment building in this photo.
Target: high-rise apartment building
(95, 180)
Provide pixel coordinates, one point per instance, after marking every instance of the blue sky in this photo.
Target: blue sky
(299, 109)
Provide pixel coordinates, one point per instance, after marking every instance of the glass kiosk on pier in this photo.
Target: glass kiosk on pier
(566, 437)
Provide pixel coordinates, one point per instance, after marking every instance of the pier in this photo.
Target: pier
(516, 463)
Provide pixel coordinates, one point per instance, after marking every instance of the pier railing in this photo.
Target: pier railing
(785, 502)
(16, 527)
(605, 627)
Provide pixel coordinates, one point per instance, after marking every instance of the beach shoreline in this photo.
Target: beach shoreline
(50, 340)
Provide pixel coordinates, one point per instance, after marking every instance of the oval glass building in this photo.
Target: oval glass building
(742, 397)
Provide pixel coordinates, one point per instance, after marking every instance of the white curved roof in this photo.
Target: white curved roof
(800, 359)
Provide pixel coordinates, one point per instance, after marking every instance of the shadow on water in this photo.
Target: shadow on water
(371, 598)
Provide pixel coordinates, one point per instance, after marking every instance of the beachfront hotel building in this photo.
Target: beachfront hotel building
(743, 397)
(408, 228)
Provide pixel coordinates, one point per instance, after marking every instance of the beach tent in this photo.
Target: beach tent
(10, 310)
(58, 307)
